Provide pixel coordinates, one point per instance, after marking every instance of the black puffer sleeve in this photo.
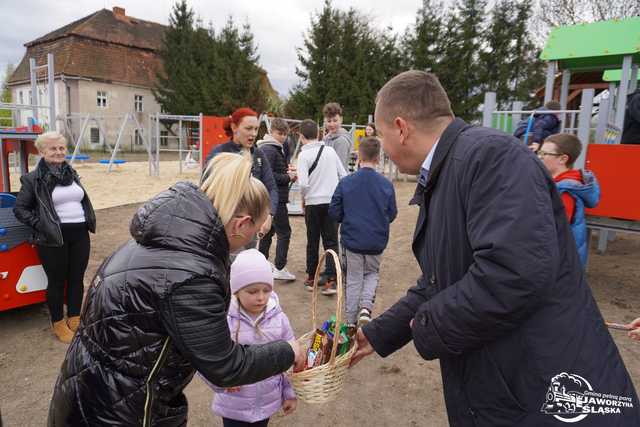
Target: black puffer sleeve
(271, 153)
(195, 317)
(25, 208)
(267, 179)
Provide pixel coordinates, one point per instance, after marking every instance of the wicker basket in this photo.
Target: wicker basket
(322, 383)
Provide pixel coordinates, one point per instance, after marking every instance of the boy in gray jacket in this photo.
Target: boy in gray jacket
(337, 138)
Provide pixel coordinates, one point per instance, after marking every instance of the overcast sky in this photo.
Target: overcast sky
(278, 25)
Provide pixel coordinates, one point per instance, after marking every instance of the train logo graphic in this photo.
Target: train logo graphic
(566, 399)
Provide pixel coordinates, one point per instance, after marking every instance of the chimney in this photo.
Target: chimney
(118, 11)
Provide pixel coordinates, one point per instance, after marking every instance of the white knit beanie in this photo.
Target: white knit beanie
(250, 267)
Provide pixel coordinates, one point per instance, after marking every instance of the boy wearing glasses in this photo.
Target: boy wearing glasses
(578, 189)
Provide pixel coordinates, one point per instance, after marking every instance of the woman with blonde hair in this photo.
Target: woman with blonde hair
(53, 202)
(156, 310)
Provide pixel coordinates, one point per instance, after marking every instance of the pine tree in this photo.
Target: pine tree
(344, 59)
(451, 71)
(527, 67)
(498, 57)
(298, 105)
(421, 43)
(317, 62)
(348, 76)
(240, 75)
(176, 89)
(467, 26)
(205, 72)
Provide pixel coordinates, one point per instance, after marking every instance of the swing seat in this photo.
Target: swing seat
(115, 161)
(80, 157)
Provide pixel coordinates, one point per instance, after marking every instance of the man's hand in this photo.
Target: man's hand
(288, 406)
(634, 333)
(364, 348)
(300, 355)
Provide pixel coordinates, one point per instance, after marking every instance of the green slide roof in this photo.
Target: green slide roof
(613, 75)
(598, 45)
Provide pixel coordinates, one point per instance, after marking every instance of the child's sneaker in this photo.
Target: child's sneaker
(283, 274)
(364, 317)
(330, 287)
(322, 280)
(308, 284)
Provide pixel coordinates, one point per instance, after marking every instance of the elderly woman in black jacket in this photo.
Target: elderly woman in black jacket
(156, 310)
(53, 202)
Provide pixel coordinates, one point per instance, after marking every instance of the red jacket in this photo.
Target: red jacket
(567, 199)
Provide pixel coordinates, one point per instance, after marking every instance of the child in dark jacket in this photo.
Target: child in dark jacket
(543, 123)
(365, 204)
(284, 174)
(254, 317)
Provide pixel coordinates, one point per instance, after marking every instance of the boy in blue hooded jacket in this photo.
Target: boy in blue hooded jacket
(578, 189)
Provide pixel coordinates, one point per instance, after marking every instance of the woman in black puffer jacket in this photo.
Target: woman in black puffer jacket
(156, 310)
(56, 206)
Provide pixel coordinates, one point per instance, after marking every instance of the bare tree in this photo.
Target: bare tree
(567, 12)
(553, 13)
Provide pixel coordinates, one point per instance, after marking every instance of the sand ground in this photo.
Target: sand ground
(401, 390)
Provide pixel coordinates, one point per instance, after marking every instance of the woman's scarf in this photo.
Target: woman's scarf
(57, 173)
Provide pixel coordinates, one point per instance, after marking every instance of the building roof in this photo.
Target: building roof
(599, 45)
(111, 26)
(106, 45)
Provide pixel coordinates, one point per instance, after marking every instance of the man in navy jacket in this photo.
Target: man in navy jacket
(502, 301)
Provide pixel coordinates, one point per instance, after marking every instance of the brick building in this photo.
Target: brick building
(105, 65)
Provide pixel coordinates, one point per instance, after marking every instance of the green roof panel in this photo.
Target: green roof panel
(613, 75)
(596, 45)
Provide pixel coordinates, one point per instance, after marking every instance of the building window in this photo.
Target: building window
(101, 99)
(30, 97)
(137, 137)
(164, 138)
(21, 95)
(95, 135)
(137, 102)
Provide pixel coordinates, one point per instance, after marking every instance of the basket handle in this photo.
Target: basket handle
(339, 302)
